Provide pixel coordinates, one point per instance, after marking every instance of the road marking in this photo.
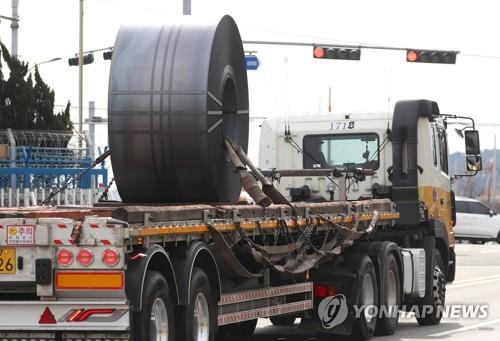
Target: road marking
(474, 283)
(476, 279)
(463, 329)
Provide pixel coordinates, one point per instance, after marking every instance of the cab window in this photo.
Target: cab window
(443, 150)
(434, 151)
(341, 150)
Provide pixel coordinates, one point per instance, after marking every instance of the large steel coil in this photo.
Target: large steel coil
(175, 91)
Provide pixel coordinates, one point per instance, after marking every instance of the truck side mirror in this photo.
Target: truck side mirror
(472, 142)
(474, 163)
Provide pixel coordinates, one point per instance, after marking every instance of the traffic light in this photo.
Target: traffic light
(430, 56)
(107, 55)
(87, 59)
(322, 52)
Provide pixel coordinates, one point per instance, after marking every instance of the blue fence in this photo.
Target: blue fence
(48, 164)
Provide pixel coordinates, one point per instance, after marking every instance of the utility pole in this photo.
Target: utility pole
(186, 7)
(14, 25)
(80, 78)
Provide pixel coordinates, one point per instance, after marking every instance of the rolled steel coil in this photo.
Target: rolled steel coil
(175, 91)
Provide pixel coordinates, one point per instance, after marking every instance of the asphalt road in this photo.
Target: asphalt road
(477, 282)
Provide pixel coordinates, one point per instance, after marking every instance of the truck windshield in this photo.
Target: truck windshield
(348, 150)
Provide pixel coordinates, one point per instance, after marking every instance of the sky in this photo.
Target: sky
(289, 81)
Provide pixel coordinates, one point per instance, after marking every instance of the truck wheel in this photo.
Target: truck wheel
(241, 329)
(388, 322)
(498, 238)
(363, 327)
(438, 295)
(198, 320)
(156, 320)
(285, 320)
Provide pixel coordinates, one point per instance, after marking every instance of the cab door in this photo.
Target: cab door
(434, 178)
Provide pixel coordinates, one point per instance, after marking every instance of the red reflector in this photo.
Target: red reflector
(85, 257)
(47, 317)
(319, 52)
(322, 291)
(89, 312)
(110, 257)
(73, 316)
(64, 257)
(412, 56)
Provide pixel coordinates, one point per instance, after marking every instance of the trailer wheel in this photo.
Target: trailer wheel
(363, 327)
(241, 329)
(285, 320)
(438, 294)
(198, 319)
(388, 321)
(156, 320)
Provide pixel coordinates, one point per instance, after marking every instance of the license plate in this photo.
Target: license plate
(20, 235)
(7, 260)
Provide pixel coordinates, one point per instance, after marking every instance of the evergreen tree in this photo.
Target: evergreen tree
(17, 94)
(63, 120)
(2, 82)
(24, 105)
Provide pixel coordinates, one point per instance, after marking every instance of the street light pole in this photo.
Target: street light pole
(186, 7)
(14, 25)
(44, 62)
(80, 78)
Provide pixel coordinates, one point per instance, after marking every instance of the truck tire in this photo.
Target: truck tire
(155, 322)
(198, 319)
(498, 238)
(387, 324)
(241, 329)
(363, 327)
(285, 320)
(438, 294)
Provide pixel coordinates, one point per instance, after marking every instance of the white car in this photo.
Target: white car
(476, 222)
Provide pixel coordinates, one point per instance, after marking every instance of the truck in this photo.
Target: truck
(171, 262)
(408, 150)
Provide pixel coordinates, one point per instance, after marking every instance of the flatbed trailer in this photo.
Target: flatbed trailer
(63, 284)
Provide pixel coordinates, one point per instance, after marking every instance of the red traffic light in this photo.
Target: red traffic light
(431, 56)
(319, 52)
(328, 52)
(411, 56)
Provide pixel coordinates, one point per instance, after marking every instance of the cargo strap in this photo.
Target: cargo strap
(225, 255)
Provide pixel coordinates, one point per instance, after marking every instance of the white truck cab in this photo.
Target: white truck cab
(357, 140)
